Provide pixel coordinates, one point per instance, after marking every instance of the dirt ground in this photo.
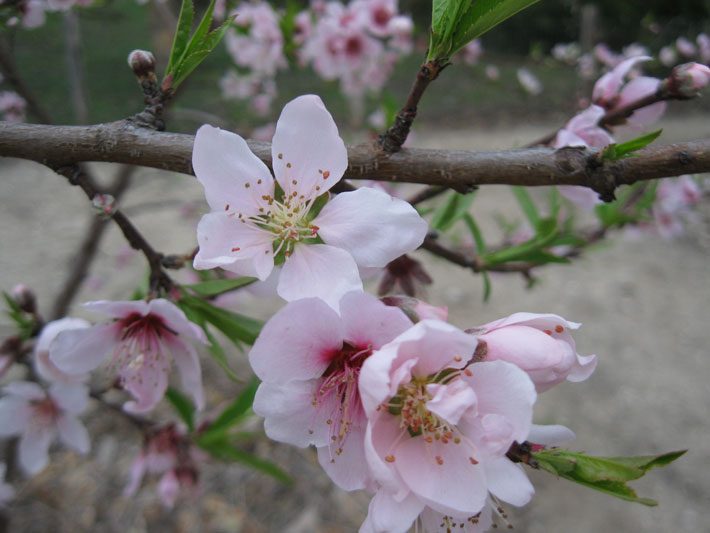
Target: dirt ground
(643, 304)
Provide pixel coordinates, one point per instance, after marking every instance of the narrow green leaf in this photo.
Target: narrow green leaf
(234, 412)
(618, 151)
(227, 452)
(196, 52)
(182, 35)
(475, 233)
(215, 287)
(605, 474)
(486, 286)
(203, 27)
(451, 211)
(183, 406)
(527, 205)
(238, 328)
(547, 231)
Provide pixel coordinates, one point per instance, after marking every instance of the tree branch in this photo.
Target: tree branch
(124, 142)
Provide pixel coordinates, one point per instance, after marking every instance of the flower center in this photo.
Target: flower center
(45, 411)
(141, 346)
(340, 381)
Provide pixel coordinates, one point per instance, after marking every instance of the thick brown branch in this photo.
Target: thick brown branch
(123, 142)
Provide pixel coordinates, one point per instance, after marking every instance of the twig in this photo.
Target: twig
(124, 142)
(426, 194)
(392, 140)
(86, 253)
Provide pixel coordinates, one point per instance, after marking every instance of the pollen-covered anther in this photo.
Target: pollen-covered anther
(439, 460)
(458, 358)
(472, 460)
(236, 249)
(559, 328)
(389, 458)
(326, 174)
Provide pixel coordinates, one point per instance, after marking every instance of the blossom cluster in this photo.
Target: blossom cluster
(356, 44)
(31, 13)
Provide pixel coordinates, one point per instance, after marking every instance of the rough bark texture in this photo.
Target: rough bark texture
(123, 142)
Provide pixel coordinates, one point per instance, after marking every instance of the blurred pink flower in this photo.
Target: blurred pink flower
(472, 52)
(39, 417)
(685, 47)
(540, 344)
(674, 199)
(440, 425)
(251, 226)
(142, 341)
(529, 81)
(309, 358)
(12, 106)
(689, 79)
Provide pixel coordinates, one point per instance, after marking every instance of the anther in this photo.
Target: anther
(236, 249)
(439, 460)
(389, 458)
(280, 156)
(326, 174)
(559, 329)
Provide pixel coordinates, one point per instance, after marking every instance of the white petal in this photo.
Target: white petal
(372, 225)
(73, 434)
(307, 148)
(15, 413)
(387, 515)
(51, 330)
(117, 309)
(176, 319)
(508, 482)
(319, 270)
(70, 397)
(235, 246)
(34, 449)
(550, 435)
(78, 351)
(188, 364)
(368, 321)
(224, 165)
(345, 467)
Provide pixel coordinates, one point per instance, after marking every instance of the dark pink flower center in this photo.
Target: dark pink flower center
(381, 16)
(353, 46)
(46, 411)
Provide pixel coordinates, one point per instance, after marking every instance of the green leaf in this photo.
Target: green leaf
(475, 233)
(215, 348)
(531, 250)
(457, 22)
(225, 451)
(605, 474)
(195, 54)
(486, 286)
(183, 406)
(216, 287)
(451, 211)
(182, 35)
(25, 323)
(232, 414)
(618, 151)
(527, 205)
(238, 328)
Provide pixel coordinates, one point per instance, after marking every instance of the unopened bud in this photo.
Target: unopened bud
(142, 63)
(25, 298)
(104, 203)
(688, 79)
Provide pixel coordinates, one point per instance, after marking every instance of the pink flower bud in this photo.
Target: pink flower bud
(25, 298)
(688, 79)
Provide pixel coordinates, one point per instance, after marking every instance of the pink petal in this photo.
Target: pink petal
(550, 435)
(26, 390)
(307, 148)
(451, 483)
(504, 389)
(374, 382)
(566, 137)
(50, 331)
(508, 482)
(319, 270)
(372, 225)
(290, 415)
(225, 165)
(387, 514)
(34, 449)
(70, 397)
(235, 246)
(73, 434)
(346, 468)
(188, 365)
(541, 321)
(461, 523)
(381, 433)
(528, 348)
(169, 488)
(450, 402)
(369, 322)
(608, 86)
(297, 343)
(436, 344)
(636, 89)
(584, 367)
(176, 319)
(117, 309)
(147, 384)
(588, 118)
(15, 414)
(138, 469)
(79, 351)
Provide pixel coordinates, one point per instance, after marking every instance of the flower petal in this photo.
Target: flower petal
(229, 171)
(372, 225)
(368, 321)
(345, 466)
(34, 449)
(176, 319)
(117, 309)
(15, 414)
(147, 384)
(307, 148)
(50, 331)
(319, 270)
(235, 246)
(550, 435)
(78, 351)
(73, 434)
(290, 415)
(385, 514)
(70, 397)
(297, 343)
(188, 364)
(508, 482)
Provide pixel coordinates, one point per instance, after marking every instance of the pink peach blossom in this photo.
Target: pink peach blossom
(685, 47)
(255, 224)
(309, 359)
(674, 199)
(39, 417)
(12, 106)
(689, 79)
(439, 426)
(142, 341)
(540, 344)
(529, 81)
(44, 366)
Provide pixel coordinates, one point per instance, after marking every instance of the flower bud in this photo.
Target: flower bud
(25, 298)
(416, 310)
(688, 79)
(142, 63)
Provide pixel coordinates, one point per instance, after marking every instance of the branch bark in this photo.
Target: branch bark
(124, 142)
